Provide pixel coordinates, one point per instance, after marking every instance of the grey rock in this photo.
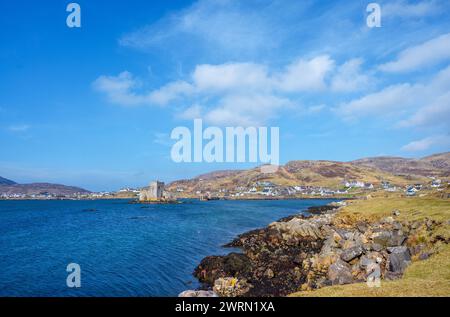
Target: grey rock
(192, 293)
(316, 227)
(397, 238)
(399, 259)
(367, 247)
(364, 262)
(388, 238)
(362, 226)
(345, 234)
(397, 249)
(387, 220)
(351, 253)
(376, 247)
(340, 273)
(382, 237)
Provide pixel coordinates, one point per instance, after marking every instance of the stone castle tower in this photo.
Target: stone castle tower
(154, 191)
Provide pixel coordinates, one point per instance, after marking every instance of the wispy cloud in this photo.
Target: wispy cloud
(416, 57)
(427, 143)
(424, 100)
(162, 139)
(230, 27)
(123, 89)
(350, 77)
(408, 9)
(19, 128)
(435, 114)
(387, 101)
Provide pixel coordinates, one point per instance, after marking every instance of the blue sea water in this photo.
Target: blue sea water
(123, 249)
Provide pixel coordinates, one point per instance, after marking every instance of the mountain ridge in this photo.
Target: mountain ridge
(432, 165)
(5, 181)
(325, 173)
(40, 188)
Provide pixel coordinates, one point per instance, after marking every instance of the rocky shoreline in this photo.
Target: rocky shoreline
(307, 252)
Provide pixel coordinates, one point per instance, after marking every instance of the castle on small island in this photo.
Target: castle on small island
(153, 192)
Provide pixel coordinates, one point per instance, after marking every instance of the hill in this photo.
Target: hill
(41, 188)
(4, 181)
(331, 174)
(434, 165)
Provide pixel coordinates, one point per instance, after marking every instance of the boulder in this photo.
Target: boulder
(382, 237)
(269, 273)
(388, 220)
(347, 244)
(376, 247)
(397, 238)
(345, 233)
(340, 273)
(193, 293)
(365, 262)
(362, 226)
(387, 238)
(349, 254)
(231, 287)
(214, 267)
(315, 228)
(399, 259)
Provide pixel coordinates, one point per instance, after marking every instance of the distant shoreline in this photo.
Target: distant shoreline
(194, 198)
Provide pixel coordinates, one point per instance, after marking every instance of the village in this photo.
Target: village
(157, 191)
(270, 190)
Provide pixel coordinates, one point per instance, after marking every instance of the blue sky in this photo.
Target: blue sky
(95, 106)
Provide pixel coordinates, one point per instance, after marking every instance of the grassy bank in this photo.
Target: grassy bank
(430, 277)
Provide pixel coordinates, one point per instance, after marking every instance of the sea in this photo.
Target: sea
(121, 249)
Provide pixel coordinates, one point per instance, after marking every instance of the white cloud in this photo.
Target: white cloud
(162, 139)
(244, 93)
(316, 108)
(405, 9)
(435, 114)
(19, 128)
(349, 77)
(246, 110)
(221, 27)
(215, 24)
(193, 112)
(167, 93)
(119, 89)
(305, 75)
(427, 143)
(231, 76)
(425, 103)
(388, 100)
(123, 89)
(426, 54)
